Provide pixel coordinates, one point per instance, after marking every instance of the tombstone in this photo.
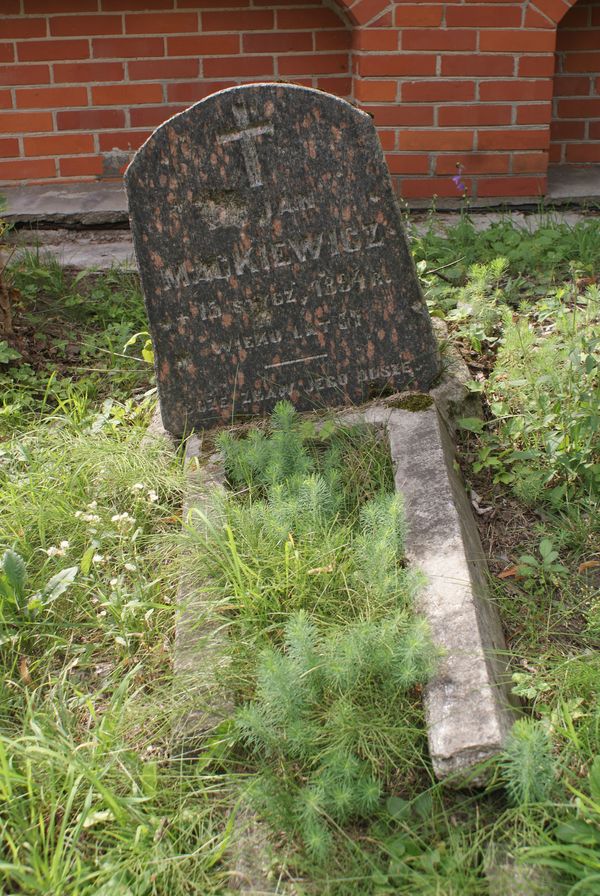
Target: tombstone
(273, 259)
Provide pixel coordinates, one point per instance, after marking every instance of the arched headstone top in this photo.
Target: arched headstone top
(273, 259)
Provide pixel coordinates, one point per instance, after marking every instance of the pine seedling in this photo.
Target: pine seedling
(379, 548)
(413, 655)
(289, 459)
(527, 763)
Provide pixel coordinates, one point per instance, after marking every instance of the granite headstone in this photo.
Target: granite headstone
(273, 259)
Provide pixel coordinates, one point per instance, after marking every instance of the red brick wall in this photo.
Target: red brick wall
(575, 132)
(464, 82)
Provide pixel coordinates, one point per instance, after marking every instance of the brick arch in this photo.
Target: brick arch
(362, 12)
(547, 13)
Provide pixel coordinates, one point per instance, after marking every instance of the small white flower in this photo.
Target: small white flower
(138, 486)
(92, 505)
(152, 496)
(78, 513)
(91, 518)
(53, 551)
(65, 545)
(114, 582)
(98, 558)
(130, 567)
(102, 613)
(123, 520)
(121, 641)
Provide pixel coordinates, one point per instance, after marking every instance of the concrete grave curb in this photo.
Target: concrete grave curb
(468, 705)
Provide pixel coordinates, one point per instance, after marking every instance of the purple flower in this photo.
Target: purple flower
(457, 180)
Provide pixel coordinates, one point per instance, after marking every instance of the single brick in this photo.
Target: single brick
(437, 91)
(379, 41)
(511, 138)
(418, 15)
(128, 5)
(475, 15)
(296, 19)
(438, 39)
(161, 69)
(9, 147)
(193, 91)
(127, 47)
(439, 140)
(11, 75)
(47, 97)
(474, 115)
(400, 64)
(515, 90)
(478, 65)
(126, 94)
(305, 65)
(126, 140)
(279, 42)
(27, 169)
(530, 161)
(152, 116)
(21, 122)
(336, 84)
(474, 163)
(81, 166)
(41, 6)
(70, 26)
(573, 85)
(536, 66)
(167, 23)
(567, 130)
(254, 20)
(426, 187)
(577, 40)
(582, 107)
(90, 119)
(242, 66)
(203, 45)
(582, 62)
(398, 115)
(511, 186)
(40, 50)
(328, 40)
(58, 144)
(405, 163)
(583, 152)
(534, 113)
(376, 91)
(23, 27)
(7, 52)
(86, 72)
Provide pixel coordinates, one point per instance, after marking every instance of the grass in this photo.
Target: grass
(95, 800)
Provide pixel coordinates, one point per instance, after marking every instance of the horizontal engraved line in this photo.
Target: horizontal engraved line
(297, 361)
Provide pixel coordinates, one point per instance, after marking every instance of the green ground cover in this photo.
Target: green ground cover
(93, 799)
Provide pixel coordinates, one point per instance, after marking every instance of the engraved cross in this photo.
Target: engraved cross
(246, 135)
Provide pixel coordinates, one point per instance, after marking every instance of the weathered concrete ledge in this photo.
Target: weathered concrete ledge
(200, 656)
(468, 705)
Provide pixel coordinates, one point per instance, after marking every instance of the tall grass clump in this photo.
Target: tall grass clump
(92, 801)
(305, 555)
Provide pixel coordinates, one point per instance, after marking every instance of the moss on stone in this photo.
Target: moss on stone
(419, 402)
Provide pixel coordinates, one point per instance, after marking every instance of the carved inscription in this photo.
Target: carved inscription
(246, 258)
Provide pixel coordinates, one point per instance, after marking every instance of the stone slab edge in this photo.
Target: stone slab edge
(468, 706)
(200, 653)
